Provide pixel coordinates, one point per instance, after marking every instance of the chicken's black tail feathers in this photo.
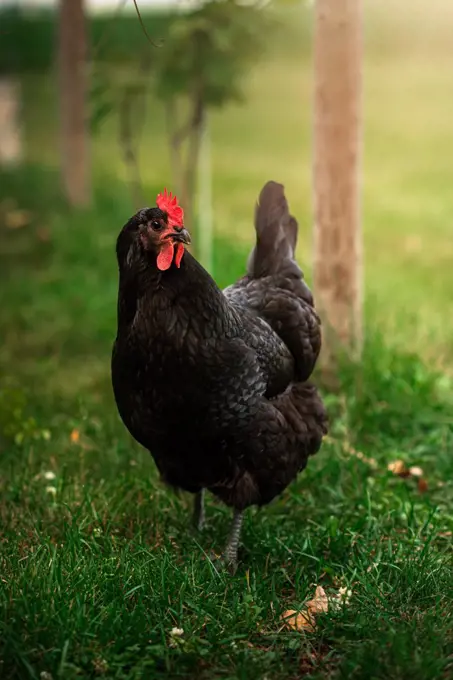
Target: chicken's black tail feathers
(276, 235)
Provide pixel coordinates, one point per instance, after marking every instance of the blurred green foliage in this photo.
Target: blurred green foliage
(16, 423)
(209, 49)
(29, 38)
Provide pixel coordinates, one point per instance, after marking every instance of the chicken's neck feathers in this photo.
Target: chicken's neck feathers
(188, 292)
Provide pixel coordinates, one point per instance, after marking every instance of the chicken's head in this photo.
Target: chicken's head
(157, 231)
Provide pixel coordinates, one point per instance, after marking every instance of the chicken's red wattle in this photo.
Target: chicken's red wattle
(165, 257)
(179, 253)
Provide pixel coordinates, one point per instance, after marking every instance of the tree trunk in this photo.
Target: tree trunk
(72, 54)
(10, 124)
(336, 176)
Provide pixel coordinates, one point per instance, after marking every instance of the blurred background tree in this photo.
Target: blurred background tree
(200, 61)
(197, 60)
(10, 95)
(72, 89)
(337, 133)
(132, 85)
(201, 65)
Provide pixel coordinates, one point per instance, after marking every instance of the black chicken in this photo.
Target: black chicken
(211, 382)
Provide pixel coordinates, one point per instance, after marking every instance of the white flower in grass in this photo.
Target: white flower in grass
(345, 595)
(176, 637)
(342, 598)
(51, 490)
(49, 475)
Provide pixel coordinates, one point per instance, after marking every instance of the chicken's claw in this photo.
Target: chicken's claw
(223, 562)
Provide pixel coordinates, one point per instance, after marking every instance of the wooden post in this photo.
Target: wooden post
(10, 122)
(336, 175)
(72, 56)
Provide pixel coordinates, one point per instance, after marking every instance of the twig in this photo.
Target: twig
(143, 25)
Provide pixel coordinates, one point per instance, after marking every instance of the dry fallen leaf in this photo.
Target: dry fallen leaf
(75, 436)
(416, 471)
(398, 468)
(319, 604)
(422, 485)
(301, 621)
(305, 620)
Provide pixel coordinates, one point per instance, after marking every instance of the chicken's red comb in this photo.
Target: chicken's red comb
(169, 204)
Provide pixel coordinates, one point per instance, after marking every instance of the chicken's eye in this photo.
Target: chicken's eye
(156, 225)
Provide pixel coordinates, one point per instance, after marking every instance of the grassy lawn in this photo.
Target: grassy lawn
(98, 562)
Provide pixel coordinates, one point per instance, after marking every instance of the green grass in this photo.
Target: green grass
(95, 573)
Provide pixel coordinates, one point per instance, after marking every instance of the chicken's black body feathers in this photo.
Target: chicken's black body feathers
(212, 382)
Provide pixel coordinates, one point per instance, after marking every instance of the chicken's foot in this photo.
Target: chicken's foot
(198, 517)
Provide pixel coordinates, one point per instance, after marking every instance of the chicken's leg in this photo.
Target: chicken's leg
(198, 510)
(230, 554)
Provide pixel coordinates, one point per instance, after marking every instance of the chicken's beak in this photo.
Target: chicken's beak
(180, 235)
